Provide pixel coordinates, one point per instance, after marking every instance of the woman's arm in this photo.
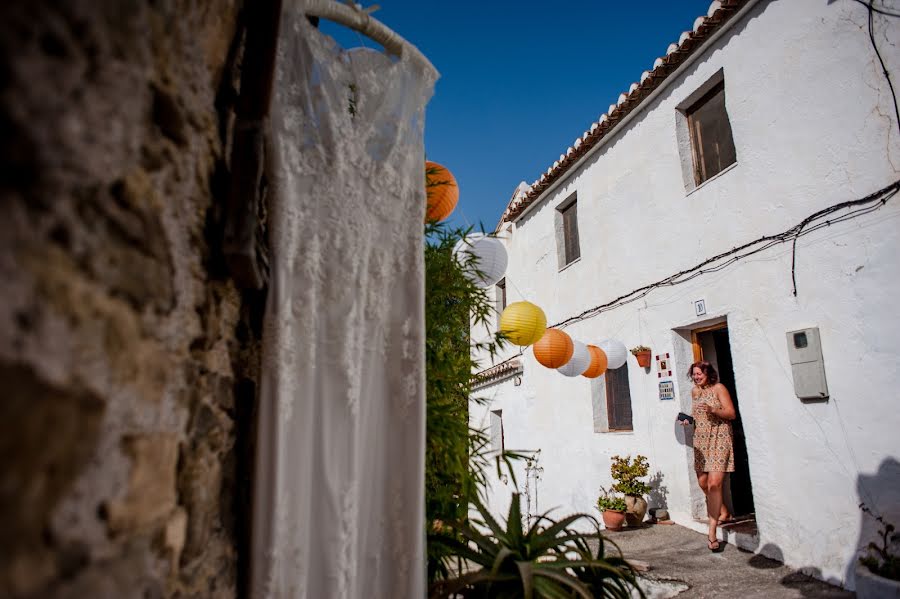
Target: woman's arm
(727, 411)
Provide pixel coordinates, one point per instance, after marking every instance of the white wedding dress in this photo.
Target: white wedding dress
(339, 481)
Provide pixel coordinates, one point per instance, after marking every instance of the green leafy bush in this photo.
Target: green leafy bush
(456, 455)
(627, 474)
(609, 501)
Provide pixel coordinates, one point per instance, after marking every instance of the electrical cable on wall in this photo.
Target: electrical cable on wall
(811, 223)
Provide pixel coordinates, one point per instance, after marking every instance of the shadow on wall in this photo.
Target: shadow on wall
(684, 434)
(880, 493)
(658, 492)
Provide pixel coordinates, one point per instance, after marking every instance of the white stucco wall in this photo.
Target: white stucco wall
(813, 125)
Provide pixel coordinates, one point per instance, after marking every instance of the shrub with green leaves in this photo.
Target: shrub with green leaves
(627, 474)
(456, 455)
(608, 501)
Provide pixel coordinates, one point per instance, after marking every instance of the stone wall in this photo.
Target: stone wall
(128, 359)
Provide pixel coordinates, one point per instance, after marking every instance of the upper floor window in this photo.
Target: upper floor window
(500, 298)
(712, 145)
(567, 245)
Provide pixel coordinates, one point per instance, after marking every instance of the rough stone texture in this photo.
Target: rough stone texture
(129, 360)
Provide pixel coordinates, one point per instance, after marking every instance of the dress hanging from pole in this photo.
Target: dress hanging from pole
(339, 480)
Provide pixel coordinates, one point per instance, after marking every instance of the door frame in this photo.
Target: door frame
(695, 341)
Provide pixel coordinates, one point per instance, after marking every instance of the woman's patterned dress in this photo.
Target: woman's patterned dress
(712, 436)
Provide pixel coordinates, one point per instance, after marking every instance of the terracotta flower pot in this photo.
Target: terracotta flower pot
(613, 519)
(643, 358)
(636, 510)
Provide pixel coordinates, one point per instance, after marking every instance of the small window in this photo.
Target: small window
(567, 232)
(501, 295)
(497, 443)
(712, 145)
(618, 399)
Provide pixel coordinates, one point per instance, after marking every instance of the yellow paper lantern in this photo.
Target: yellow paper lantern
(523, 323)
(554, 348)
(598, 362)
(441, 191)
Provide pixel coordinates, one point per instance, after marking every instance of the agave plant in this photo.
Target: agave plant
(548, 560)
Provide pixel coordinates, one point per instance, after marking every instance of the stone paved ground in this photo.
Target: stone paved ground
(675, 553)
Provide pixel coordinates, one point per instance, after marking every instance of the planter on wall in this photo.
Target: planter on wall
(636, 509)
(613, 519)
(872, 586)
(643, 358)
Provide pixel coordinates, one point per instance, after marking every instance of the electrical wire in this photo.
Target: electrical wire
(872, 10)
(811, 223)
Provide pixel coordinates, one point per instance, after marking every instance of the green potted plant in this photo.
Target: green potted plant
(613, 509)
(628, 474)
(547, 559)
(878, 572)
(642, 354)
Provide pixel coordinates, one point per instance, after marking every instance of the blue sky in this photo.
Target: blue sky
(521, 80)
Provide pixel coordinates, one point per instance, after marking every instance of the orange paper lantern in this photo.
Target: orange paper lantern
(554, 349)
(598, 362)
(441, 191)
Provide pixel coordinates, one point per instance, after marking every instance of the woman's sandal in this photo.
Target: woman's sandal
(713, 545)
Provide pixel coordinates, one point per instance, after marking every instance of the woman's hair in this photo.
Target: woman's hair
(712, 377)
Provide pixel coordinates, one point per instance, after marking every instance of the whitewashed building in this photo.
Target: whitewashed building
(763, 116)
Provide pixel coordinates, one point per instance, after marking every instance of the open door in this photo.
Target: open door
(712, 344)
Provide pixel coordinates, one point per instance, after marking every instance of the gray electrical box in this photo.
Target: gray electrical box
(805, 352)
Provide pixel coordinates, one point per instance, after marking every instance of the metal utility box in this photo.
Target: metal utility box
(805, 352)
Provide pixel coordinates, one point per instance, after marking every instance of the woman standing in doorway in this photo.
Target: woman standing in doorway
(713, 411)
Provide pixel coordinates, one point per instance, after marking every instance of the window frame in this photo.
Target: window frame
(568, 243)
(614, 384)
(696, 124)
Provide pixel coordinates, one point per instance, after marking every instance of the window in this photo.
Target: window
(567, 232)
(501, 295)
(611, 399)
(712, 145)
(497, 443)
(618, 399)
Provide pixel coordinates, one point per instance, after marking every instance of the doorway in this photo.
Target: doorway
(712, 344)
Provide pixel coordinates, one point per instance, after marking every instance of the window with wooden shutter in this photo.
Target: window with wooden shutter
(618, 399)
(712, 144)
(570, 232)
(497, 441)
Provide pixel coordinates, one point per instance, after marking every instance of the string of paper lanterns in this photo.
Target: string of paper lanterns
(524, 323)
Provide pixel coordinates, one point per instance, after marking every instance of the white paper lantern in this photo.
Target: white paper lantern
(616, 353)
(580, 361)
(489, 257)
